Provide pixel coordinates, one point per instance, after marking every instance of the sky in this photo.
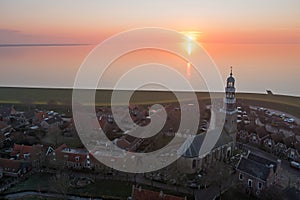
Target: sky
(259, 38)
(90, 22)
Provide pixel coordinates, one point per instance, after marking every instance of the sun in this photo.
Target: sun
(192, 36)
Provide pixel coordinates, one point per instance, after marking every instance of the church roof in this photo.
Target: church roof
(194, 148)
(224, 139)
(230, 79)
(196, 143)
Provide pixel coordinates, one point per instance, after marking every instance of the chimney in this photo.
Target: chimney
(161, 194)
(278, 164)
(248, 153)
(271, 166)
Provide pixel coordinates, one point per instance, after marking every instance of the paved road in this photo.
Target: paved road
(277, 112)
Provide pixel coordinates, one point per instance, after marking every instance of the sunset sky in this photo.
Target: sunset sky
(259, 38)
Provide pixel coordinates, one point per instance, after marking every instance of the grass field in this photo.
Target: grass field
(101, 188)
(63, 97)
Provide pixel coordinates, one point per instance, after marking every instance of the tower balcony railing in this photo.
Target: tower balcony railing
(229, 101)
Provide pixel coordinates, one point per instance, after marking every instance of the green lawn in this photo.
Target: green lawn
(59, 97)
(103, 188)
(35, 182)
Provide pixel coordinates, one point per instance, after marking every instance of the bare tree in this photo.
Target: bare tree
(218, 175)
(54, 133)
(60, 183)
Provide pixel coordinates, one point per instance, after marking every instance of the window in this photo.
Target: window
(194, 164)
(250, 183)
(241, 177)
(292, 154)
(259, 185)
(26, 155)
(77, 158)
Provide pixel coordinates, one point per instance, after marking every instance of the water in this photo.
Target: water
(256, 67)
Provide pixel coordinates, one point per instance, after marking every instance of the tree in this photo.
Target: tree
(60, 183)
(54, 133)
(219, 174)
(272, 193)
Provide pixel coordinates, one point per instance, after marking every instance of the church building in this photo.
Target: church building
(191, 161)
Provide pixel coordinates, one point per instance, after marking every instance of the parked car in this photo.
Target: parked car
(295, 165)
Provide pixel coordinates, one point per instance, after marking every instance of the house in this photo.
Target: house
(129, 143)
(142, 194)
(256, 173)
(268, 144)
(293, 154)
(70, 158)
(33, 154)
(14, 168)
(289, 141)
(41, 115)
(279, 150)
(5, 112)
(52, 121)
(30, 116)
(243, 136)
(258, 136)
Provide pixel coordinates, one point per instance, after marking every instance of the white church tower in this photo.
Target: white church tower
(230, 109)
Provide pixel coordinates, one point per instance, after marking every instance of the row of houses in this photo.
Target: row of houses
(286, 146)
(22, 159)
(11, 120)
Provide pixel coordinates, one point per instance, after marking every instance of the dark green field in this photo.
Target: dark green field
(63, 97)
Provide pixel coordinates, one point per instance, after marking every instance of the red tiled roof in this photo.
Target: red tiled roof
(142, 194)
(72, 154)
(72, 157)
(123, 143)
(60, 148)
(24, 149)
(41, 115)
(10, 165)
(20, 149)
